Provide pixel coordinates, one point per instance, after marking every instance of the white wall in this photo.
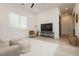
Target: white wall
(50, 16)
(5, 32)
(33, 19)
(66, 24)
(76, 9)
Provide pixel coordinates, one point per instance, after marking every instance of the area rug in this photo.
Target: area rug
(41, 48)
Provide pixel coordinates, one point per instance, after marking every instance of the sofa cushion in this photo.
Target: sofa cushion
(25, 46)
(12, 42)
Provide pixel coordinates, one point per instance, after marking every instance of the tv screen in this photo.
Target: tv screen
(46, 27)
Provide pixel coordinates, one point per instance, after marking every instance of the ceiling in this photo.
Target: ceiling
(67, 8)
(40, 7)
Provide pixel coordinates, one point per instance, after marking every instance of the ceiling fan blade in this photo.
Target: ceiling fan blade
(32, 5)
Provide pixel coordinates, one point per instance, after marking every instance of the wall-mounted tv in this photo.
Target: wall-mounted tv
(46, 27)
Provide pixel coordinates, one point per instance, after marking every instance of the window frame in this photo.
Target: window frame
(19, 21)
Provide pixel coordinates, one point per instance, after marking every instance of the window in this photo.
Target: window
(23, 22)
(17, 21)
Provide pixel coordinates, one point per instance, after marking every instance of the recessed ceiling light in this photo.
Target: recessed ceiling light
(66, 8)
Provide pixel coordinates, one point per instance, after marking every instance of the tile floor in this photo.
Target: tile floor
(64, 48)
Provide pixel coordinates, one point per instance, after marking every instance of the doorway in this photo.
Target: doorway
(66, 26)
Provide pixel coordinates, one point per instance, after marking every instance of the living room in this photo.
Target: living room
(17, 19)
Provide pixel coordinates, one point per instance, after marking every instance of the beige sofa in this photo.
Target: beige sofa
(10, 51)
(15, 49)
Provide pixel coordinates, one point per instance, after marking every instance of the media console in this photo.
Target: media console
(47, 34)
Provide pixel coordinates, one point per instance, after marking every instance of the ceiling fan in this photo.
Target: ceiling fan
(32, 5)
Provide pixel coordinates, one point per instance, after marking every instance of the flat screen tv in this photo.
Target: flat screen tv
(46, 27)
